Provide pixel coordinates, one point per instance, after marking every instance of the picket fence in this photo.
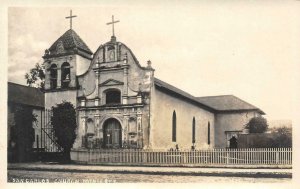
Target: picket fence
(249, 156)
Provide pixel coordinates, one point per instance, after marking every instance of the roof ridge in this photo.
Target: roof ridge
(182, 93)
(25, 86)
(21, 85)
(15, 83)
(174, 87)
(72, 35)
(212, 100)
(80, 42)
(18, 93)
(215, 96)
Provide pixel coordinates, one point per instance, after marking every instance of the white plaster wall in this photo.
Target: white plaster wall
(80, 131)
(53, 98)
(230, 122)
(161, 123)
(82, 65)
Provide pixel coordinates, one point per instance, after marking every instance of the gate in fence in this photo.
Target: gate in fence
(45, 139)
(253, 156)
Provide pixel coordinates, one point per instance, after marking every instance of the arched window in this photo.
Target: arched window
(53, 76)
(65, 75)
(208, 133)
(113, 96)
(193, 130)
(174, 127)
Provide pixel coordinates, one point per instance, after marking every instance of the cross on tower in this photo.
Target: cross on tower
(71, 17)
(113, 24)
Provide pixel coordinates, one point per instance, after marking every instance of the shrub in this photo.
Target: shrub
(257, 125)
(64, 124)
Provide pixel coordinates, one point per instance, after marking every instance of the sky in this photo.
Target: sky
(249, 49)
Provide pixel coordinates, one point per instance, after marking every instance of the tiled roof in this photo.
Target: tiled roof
(25, 95)
(212, 103)
(71, 40)
(227, 103)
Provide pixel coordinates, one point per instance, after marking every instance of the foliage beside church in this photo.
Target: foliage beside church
(63, 120)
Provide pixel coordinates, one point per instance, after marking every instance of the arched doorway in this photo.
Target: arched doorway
(112, 134)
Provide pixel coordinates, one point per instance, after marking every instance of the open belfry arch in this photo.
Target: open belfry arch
(120, 104)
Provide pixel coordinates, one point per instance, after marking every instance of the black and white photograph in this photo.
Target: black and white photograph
(150, 92)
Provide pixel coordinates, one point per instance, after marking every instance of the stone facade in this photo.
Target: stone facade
(110, 73)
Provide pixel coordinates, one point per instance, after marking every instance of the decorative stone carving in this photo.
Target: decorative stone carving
(60, 47)
(111, 55)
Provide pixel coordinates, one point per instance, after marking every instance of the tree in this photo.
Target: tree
(64, 124)
(283, 137)
(22, 134)
(257, 125)
(36, 76)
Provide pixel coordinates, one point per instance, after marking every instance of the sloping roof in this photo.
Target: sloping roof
(227, 103)
(25, 95)
(71, 40)
(212, 103)
(170, 88)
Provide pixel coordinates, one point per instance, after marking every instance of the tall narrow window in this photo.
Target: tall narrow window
(53, 76)
(193, 130)
(174, 127)
(208, 133)
(65, 75)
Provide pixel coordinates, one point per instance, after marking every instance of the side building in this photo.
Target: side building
(23, 135)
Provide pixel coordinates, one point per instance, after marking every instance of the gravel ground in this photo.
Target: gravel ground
(69, 177)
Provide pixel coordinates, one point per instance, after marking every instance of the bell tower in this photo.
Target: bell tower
(66, 58)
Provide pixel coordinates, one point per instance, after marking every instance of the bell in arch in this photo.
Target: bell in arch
(68, 77)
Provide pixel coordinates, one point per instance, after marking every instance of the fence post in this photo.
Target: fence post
(37, 143)
(184, 157)
(277, 157)
(227, 156)
(144, 157)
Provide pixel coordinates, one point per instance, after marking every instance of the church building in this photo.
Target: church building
(121, 104)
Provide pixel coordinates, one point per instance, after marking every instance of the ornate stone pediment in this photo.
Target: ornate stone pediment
(111, 82)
